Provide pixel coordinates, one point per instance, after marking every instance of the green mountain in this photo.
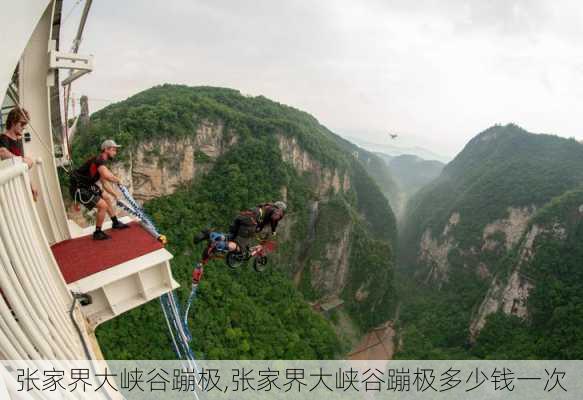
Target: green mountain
(412, 172)
(378, 170)
(409, 173)
(534, 307)
(473, 251)
(198, 155)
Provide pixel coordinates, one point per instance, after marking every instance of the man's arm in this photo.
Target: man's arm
(107, 187)
(28, 162)
(107, 175)
(274, 225)
(5, 154)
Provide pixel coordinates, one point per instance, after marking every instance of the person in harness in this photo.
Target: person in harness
(83, 188)
(244, 227)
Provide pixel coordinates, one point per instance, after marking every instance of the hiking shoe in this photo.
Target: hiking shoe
(100, 235)
(202, 235)
(119, 225)
(197, 274)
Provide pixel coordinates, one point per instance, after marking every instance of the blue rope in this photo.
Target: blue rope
(188, 304)
(135, 209)
(167, 317)
(149, 227)
(178, 327)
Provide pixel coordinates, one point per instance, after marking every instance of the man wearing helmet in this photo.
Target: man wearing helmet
(242, 230)
(255, 220)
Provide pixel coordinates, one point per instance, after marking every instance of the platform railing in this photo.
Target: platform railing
(53, 229)
(34, 302)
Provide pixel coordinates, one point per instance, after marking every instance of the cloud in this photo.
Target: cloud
(437, 71)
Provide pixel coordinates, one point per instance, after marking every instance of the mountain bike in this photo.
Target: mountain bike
(258, 255)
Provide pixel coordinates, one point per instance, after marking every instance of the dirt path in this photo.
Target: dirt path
(377, 344)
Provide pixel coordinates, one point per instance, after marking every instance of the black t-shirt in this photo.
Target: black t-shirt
(13, 146)
(267, 217)
(88, 173)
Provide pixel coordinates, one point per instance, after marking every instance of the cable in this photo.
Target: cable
(87, 298)
(77, 296)
(71, 11)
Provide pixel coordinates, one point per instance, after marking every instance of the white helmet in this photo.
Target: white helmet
(281, 205)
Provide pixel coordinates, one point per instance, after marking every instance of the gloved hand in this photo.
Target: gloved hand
(273, 234)
(162, 239)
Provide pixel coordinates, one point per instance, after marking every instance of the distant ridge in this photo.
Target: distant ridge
(394, 150)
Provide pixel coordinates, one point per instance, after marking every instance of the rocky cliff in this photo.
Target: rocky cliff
(211, 152)
(325, 180)
(471, 238)
(159, 167)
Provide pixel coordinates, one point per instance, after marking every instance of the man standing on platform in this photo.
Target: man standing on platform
(84, 188)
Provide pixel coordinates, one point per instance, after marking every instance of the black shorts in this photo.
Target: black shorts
(86, 195)
(242, 242)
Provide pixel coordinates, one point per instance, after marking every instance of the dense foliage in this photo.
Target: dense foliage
(240, 314)
(554, 328)
(243, 314)
(435, 321)
(176, 111)
(377, 169)
(500, 168)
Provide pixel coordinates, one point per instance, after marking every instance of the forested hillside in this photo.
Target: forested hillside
(489, 259)
(488, 251)
(408, 173)
(502, 167)
(553, 272)
(336, 241)
(376, 167)
(412, 172)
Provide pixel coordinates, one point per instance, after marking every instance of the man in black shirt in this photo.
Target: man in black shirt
(11, 140)
(83, 188)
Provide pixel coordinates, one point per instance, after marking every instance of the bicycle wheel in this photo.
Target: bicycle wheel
(260, 263)
(235, 260)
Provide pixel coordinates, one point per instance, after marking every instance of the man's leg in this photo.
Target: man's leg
(221, 242)
(206, 254)
(202, 235)
(116, 224)
(109, 202)
(198, 270)
(101, 210)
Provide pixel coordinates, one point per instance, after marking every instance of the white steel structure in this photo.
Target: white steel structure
(40, 318)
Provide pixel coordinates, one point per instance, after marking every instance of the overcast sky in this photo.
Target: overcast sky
(437, 72)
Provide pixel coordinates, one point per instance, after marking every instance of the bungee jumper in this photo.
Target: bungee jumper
(244, 228)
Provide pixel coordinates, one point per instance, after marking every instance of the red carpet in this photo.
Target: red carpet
(79, 258)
